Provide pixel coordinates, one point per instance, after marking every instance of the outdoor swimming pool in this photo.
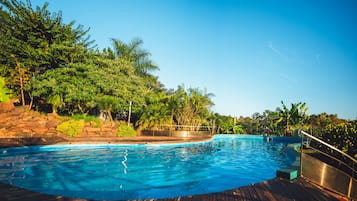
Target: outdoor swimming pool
(121, 172)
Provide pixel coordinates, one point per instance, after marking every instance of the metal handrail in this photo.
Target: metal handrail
(354, 161)
(329, 146)
(183, 126)
(334, 158)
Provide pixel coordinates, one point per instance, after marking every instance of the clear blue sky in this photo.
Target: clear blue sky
(250, 54)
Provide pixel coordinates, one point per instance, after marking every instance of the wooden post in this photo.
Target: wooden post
(129, 113)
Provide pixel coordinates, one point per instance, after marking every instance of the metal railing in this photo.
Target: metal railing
(185, 131)
(328, 176)
(164, 127)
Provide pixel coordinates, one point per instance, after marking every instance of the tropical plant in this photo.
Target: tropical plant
(156, 112)
(107, 104)
(133, 52)
(228, 125)
(191, 107)
(180, 107)
(291, 118)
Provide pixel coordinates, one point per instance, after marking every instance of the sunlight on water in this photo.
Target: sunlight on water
(142, 172)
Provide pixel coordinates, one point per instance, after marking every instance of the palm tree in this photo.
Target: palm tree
(135, 54)
(295, 116)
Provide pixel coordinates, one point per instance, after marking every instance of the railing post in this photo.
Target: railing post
(301, 150)
(350, 188)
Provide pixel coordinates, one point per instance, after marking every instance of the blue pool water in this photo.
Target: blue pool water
(115, 172)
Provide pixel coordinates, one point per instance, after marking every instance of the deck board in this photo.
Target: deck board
(272, 190)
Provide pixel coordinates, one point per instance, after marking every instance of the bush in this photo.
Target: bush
(125, 131)
(4, 91)
(343, 136)
(71, 128)
(87, 119)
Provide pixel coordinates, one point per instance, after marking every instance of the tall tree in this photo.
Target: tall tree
(35, 40)
(295, 116)
(191, 107)
(133, 52)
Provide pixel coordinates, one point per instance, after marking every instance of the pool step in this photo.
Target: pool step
(287, 173)
(293, 171)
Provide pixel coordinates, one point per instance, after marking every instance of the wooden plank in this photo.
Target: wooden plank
(238, 194)
(280, 189)
(259, 192)
(265, 190)
(272, 190)
(253, 194)
(314, 191)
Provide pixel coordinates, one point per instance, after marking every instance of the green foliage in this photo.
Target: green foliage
(180, 107)
(318, 123)
(228, 125)
(87, 119)
(34, 41)
(134, 53)
(125, 131)
(343, 136)
(4, 91)
(71, 128)
(56, 101)
(291, 119)
(138, 57)
(156, 112)
(68, 83)
(191, 107)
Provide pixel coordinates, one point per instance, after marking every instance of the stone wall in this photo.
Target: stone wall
(6, 106)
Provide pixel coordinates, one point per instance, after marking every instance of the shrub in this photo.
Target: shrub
(125, 131)
(87, 119)
(343, 136)
(4, 91)
(71, 128)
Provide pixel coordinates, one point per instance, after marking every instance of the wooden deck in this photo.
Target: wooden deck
(272, 190)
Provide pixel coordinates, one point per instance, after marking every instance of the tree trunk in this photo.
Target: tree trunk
(31, 98)
(54, 109)
(110, 115)
(21, 79)
(80, 108)
(22, 88)
(22, 91)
